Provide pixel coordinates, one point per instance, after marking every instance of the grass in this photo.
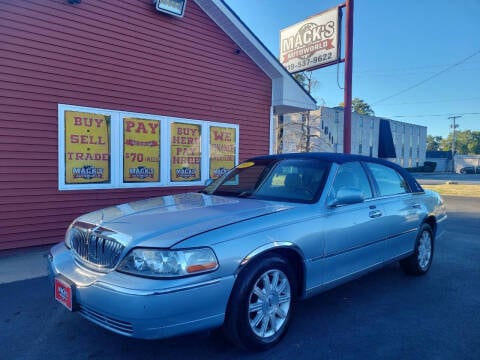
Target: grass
(455, 189)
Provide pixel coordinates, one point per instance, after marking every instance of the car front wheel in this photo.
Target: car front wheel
(261, 304)
(420, 261)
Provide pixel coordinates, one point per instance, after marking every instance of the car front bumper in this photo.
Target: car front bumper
(140, 307)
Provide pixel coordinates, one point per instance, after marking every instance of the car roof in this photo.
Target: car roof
(341, 158)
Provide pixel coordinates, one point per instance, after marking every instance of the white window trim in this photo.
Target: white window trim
(116, 149)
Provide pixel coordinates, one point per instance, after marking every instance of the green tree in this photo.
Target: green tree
(433, 143)
(467, 142)
(305, 79)
(301, 78)
(360, 107)
(474, 145)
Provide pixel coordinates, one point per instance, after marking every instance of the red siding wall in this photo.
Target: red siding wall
(119, 55)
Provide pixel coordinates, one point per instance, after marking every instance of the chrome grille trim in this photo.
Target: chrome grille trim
(108, 322)
(94, 248)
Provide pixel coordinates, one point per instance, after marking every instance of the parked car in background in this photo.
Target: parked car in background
(470, 170)
(241, 252)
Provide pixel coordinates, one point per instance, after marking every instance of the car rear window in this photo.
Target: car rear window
(388, 180)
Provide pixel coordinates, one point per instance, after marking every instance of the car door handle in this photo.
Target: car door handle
(416, 206)
(375, 214)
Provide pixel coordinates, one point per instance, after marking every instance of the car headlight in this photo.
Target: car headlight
(169, 263)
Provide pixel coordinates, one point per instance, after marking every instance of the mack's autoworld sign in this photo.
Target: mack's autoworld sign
(312, 43)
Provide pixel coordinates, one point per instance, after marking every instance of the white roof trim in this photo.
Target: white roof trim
(287, 94)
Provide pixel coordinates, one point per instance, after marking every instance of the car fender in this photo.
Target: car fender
(266, 248)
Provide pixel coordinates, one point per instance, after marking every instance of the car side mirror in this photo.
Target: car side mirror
(346, 196)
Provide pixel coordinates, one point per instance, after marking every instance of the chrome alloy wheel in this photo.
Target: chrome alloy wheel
(424, 250)
(269, 303)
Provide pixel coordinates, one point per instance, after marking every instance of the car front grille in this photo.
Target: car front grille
(108, 322)
(94, 248)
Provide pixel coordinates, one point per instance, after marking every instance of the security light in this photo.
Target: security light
(172, 7)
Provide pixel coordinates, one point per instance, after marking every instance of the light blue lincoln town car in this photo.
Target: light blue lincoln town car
(243, 251)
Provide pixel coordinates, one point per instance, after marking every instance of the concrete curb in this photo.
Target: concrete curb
(23, 264)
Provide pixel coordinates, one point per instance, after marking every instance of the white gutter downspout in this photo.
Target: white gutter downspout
(273, 136)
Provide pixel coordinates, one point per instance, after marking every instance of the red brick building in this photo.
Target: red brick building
(103, 102)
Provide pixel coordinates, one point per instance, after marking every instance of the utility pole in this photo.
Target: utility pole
(347, 93)
(454, 139)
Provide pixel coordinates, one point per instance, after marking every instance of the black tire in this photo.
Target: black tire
(261, 304)
(420, 261)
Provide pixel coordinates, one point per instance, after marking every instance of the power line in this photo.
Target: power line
(431, 102)
(413, 73)
(428, 78)
(428, 115)
(399, 70)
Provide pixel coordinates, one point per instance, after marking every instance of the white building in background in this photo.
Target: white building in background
(400, 142)
(410, 143)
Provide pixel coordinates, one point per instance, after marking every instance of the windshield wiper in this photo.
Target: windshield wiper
(245, 194)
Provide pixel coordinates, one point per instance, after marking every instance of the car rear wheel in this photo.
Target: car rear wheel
(420, 261)
(261, 304)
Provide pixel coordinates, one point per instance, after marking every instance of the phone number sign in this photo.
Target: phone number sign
(312, 43)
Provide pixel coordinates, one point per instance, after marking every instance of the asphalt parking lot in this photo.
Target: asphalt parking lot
(384, 315)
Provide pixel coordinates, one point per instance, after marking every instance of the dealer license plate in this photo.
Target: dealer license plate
(64, 293)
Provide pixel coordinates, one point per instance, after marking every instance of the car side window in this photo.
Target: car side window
(389, 181)
(351, 175)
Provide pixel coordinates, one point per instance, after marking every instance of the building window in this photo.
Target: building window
(107, 149)
(141, 150)
(223, 150)
(186, 154)
(86, 139)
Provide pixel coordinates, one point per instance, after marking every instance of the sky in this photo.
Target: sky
(416, 61)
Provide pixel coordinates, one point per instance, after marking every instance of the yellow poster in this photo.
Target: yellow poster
(185, 145)
(141, 150)
(87, 148)
(222, 150)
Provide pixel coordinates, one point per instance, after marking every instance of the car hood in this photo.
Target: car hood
(167, 220)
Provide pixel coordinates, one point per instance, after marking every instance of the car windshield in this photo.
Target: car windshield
(297, 180)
